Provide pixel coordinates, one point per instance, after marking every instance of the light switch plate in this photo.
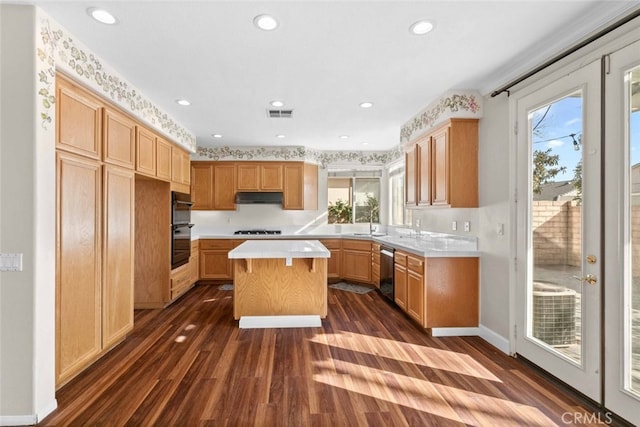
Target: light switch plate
(454, 225)
(10, 262)
(467, 226)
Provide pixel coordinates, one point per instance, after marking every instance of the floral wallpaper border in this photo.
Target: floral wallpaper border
(322, 158)
(56, 48)
(462, 104)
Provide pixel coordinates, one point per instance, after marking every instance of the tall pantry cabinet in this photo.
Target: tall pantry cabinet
(95, 184)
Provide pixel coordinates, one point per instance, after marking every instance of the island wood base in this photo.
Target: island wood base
(268, 287)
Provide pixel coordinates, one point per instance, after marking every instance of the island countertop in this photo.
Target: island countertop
(288, 249)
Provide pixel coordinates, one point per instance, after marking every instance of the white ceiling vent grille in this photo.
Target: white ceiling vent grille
(279, 114)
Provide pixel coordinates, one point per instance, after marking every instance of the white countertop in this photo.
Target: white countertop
(279, 248)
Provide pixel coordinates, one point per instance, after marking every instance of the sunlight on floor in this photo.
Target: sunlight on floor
(429, 357)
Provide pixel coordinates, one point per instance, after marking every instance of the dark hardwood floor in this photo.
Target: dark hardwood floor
(190, 365)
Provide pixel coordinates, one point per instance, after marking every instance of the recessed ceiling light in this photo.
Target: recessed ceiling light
(344, 136)
(183, 102)
(366, 104)
(265, 22)
(217, 135)
(277, 103)
(102, 15)
(421, 27)
(365, 143)
(280, 136)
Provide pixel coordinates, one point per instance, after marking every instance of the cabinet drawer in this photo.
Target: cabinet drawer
(216, 244)
(356, 245)
(415, 264)
(400, 258)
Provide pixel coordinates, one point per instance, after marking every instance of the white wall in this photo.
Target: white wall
(27, 226)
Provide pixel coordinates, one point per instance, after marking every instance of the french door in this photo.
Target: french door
(622, 232)
(558, 217)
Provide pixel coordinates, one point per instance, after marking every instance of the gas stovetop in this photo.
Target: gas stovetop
(257, 232)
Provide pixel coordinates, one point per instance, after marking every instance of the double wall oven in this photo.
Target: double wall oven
(180, 228)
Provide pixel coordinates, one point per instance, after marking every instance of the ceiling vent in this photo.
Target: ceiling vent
(279, 114)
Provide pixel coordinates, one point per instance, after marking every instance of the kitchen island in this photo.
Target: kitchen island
(280, 283)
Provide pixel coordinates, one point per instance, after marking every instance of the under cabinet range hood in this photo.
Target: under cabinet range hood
(255, 197)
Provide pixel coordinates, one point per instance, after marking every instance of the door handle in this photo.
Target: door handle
(589, 278)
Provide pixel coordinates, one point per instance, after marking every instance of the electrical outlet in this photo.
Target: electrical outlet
(417, 222)
(10, 262)
(467, 226)
(454, 225)
(500, 229)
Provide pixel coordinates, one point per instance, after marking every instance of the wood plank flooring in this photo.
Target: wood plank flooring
(369, 365)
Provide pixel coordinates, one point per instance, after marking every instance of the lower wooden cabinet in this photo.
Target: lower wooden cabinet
(356, 260)
(375, 264)
(214, 260)
(437, 292)
(334, 270)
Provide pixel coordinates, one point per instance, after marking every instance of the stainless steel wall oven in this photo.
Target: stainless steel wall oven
(180, 228)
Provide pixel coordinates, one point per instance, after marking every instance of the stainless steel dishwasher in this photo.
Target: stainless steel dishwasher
(386, 272)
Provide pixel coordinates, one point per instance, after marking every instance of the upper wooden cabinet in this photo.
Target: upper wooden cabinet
(224, 186)
(145, 151)
(78, 120)
(180, 170)
(300, 186)
(214, 184)
(259, 176)
(163, 159)
(119, 139)
(442, 166)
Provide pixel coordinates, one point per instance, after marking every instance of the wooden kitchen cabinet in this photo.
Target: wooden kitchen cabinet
(202, 186)
(400, 280)
(145, 151)
(259, 176)
(214, 260)
(410, 175)
(415, 288)
(334, 263)
(180, 170)
(441, 166)
(119, 139)
(194, 264)
(375, 264)
(163, 159)
(300, 186)
(118, 254)
(78, 120)
(224, 186)
(78, 264)
(356, 260)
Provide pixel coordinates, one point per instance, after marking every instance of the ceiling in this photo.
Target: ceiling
(323, 60)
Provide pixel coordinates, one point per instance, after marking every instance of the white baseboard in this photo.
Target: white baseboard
(18, 420)
(454, 332)
(495, 339)
(311, 321)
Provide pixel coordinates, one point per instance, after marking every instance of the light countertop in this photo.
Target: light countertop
(279, 248)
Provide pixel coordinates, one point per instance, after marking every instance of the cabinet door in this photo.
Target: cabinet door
(415, 296)
(176, 165)
(356, 265)
(118, 254)
(440, 164)
(78, 264)
(119, 139)
(293, 197)
(145, 151)
(335, 261)
(224, 187)
(271, 177)
(424, 171)
(202, 186)
(79, 120)
(410, 172)
(248, 177)
(186, 168)
(215, 265)
(400, 285)
(163, 159)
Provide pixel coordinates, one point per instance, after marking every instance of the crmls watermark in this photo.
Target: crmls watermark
(577, 418)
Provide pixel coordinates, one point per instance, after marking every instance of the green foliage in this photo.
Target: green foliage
(370, 210)
(339, 212)
(545, 168)
(577, 181)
